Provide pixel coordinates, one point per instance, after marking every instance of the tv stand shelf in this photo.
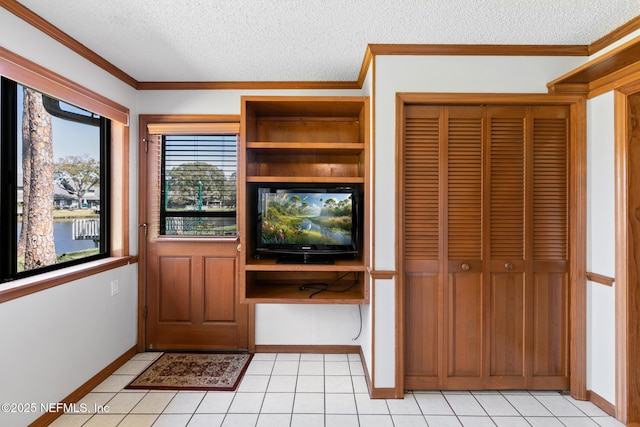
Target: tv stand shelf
(306, 288)
(270, 264)
(302, 142)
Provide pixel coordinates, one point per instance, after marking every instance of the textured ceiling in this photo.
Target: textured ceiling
(309, 40)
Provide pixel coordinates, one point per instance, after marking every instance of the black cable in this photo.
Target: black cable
(326, 288)
(360, 330)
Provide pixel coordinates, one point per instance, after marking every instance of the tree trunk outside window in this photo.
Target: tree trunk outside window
(38, 184)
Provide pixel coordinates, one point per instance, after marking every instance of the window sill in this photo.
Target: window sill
(22, 287)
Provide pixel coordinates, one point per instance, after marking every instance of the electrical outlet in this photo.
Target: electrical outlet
(114, 287)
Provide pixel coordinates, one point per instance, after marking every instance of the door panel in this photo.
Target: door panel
(550, 324)
(422, 306)
(507, 325)
(219, 300)
(191, 300)
(464, 330)
(174, 289)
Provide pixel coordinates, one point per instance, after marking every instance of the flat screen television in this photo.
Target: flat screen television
(309, 225)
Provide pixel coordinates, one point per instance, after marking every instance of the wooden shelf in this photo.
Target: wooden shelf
(269, 264)
(290, 294)
(307, 179)
(345, 147)
(303, 289)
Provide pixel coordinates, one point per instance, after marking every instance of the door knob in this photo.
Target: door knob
(465, 267)
(508, 266)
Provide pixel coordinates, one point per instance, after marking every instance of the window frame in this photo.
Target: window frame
(28, 73)
(152, 126)
(10, 140)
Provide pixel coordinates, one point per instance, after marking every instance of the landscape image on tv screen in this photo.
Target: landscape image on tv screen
(303, 218)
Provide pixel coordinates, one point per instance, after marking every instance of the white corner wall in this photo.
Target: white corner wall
(366, 337)
(601, 344)
(53, 341)
(448, 74)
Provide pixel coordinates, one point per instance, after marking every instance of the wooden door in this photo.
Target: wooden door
(548, 262)
(462, 182)
(442, 170)
(423, 298)
(485, 236)
(527, 257)
(192, 300)
(506, 297)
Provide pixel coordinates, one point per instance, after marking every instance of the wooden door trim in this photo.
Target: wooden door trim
(620, 184)
(627, 395)
(577, 211)
(143, 121)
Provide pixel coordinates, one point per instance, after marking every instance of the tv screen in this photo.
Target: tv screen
(307, 221)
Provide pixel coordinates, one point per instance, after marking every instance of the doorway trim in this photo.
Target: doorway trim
(577, 214)
(627, 405)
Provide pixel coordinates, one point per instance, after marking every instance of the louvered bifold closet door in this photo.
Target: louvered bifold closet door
(464, 287)
(421, 245)
(526, 265)
(549, 273)
(506, 303)
(485, 255)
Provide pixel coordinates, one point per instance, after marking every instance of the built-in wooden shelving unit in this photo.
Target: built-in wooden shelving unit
(302, 142)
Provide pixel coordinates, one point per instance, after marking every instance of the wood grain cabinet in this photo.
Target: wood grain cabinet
(485, 255)
(302, 142)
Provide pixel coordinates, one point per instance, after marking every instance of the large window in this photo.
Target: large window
(54, 169)
(198, 194)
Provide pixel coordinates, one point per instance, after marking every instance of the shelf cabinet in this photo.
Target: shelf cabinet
(302, 142)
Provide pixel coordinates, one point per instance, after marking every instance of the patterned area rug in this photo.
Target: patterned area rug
(194, 371)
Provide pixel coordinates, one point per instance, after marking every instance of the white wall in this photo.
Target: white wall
(393, 74)
(55, 340)
(215, 101)
(601, 335)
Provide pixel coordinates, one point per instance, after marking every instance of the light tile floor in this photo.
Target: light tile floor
(311, 390)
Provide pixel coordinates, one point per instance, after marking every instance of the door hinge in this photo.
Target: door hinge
(145, 228)
(146, 145)
(144, 312)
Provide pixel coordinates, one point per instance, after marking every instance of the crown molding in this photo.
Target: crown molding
(479, 50)
(615, 35)
(49, 29)
(247, 85)
(609, 71)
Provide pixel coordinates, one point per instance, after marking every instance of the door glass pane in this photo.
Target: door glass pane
(199, 185)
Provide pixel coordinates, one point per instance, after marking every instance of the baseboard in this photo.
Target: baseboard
(325, 349)
(601, 403)
(85, 388)
(379, 393)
